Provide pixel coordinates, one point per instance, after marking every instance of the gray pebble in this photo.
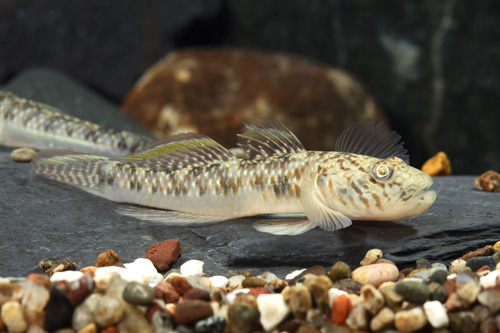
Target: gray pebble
(413, 291)
(138, 294)
(478, 262)
(439, 276)
(210, 324)
(423, 263)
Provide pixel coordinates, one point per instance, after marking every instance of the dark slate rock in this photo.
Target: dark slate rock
(478, 262)
(42, 219)
(439, 276)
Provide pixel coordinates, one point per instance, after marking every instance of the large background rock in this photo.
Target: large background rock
(211, 91)
(42, 219)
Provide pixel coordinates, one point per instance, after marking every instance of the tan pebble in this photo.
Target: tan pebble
(107, 258)
(488, 181)
(65, 265)
(277, 285)
(386, 284)
(22, 154)
(496, 247)
(375, 274)
(318, 287)
(371, 257)
(299, 300)
(90, 328)
(438, 165)
(357, 318)
(456, 265)
(48, 264)
(410, 320)
(392, 298)
(253, 282)
(10, 292)
(384, 320)
(13, 317)
(373, 300)
(484, 251)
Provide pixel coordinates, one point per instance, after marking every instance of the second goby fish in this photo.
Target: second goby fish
(25, 123)
(197, 181)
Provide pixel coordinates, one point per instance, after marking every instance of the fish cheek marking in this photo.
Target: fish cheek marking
(360, 194)
(377, 202)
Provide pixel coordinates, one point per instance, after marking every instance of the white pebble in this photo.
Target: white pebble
(218, 281)
(268, 276)
(436, 314)
(333, 293)
(13, 317)
(232, 296)
(125, 274)
(235, 282)
(489, 280)
(294, 274)
(192, 267)
(273, 310)
(69, 276)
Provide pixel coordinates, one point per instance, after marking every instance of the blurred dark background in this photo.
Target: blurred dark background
(433, 66)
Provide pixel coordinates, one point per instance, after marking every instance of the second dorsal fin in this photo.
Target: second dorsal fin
(365, 137)
(264, 138)
(178, 152)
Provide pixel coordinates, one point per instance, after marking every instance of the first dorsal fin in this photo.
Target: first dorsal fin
(365, 137)
(264, 138)
(178, 152)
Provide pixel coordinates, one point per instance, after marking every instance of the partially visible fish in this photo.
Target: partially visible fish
(25, 123)
(193, 180)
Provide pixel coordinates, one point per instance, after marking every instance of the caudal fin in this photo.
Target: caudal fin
(80, 170)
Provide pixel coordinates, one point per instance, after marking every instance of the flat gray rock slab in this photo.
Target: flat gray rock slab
(42, 219)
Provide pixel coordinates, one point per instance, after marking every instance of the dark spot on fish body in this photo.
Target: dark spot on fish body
(377, 202)
(362, 169)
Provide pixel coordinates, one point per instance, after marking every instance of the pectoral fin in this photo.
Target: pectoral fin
(291, 227)
(316, 210)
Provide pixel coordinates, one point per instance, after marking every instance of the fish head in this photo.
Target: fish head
(368, 188)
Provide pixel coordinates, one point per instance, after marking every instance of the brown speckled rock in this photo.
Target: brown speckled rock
(191, 311)
(107, 258)
(164, 254)
(210, 91)
(488, 181)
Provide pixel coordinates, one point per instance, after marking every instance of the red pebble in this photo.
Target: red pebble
(257, 291)
(164, 254)
(110, 329)
(197, 293)
(166, 292)
(191, 311)
(40, 279)
(180, 285)
(450, 286)
(340, 309)
(484, 268)
(89, 269)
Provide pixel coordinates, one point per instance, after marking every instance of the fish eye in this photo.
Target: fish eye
(382, 171)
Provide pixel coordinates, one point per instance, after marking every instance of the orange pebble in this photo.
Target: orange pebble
(110, 329)
(40, 279)
(340, 309)
(437, 165)
(89, 269)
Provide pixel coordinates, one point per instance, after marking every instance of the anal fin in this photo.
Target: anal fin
(169, 217)
(279, 226)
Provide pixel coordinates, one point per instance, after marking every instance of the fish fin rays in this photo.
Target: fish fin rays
(169, 217)
(366, 137)
(265, 138)
(316, 210)
(178, 152)
(290, 227)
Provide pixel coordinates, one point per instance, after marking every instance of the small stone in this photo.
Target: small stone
(164, 254)
(197, 293)
(439, 294)
(373, 300)
(34, 301)
(467, 287)
(340, 270)
(277, 285)
(439, 276)
(10, 292)
(340, 309)
(13, 317)
(410, 320)
(108, 311)
(392, 298)
(69, 276)
(180, 284)
(273, 310)
(64, 265)
(76, 291)
(242, 317)
(219, 281)
(89, 328)
(476, 263)
(235, 282)
(47, 264)
(210, 324)
(268, 276)
(59, 311)
(134, 321)
(40, 279)
(166, 292)
(143, 269)
(436, 314)
(191, 311)
(107, 258)
(253, 282)
(490, 298)
(423, 263)
(413, 291)
(299, 299)
(438, 165)
(90, 270)
(462, 321)
(489, 280)
(334, 293)
(348, 285)
(294, 274)
(488, 181)
(371, 257)
(457, 264)
(314, 270)
(192, 267)
(23, 154)
(496, 247)
(384, 320)
(375, 274)
(244, 273)
(357, 318)
(318, 287)
(257, 291)
(291, 325)
(482, 252)
(138, 294)
(421, 273)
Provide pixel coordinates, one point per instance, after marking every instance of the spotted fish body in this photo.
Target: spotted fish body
(190, 179)
(25, 123)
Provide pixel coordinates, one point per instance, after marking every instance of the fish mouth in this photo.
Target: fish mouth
(425, 197)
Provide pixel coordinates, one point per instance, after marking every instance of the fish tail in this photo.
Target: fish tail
(80, 170)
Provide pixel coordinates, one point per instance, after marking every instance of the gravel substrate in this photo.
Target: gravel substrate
(134, 297)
